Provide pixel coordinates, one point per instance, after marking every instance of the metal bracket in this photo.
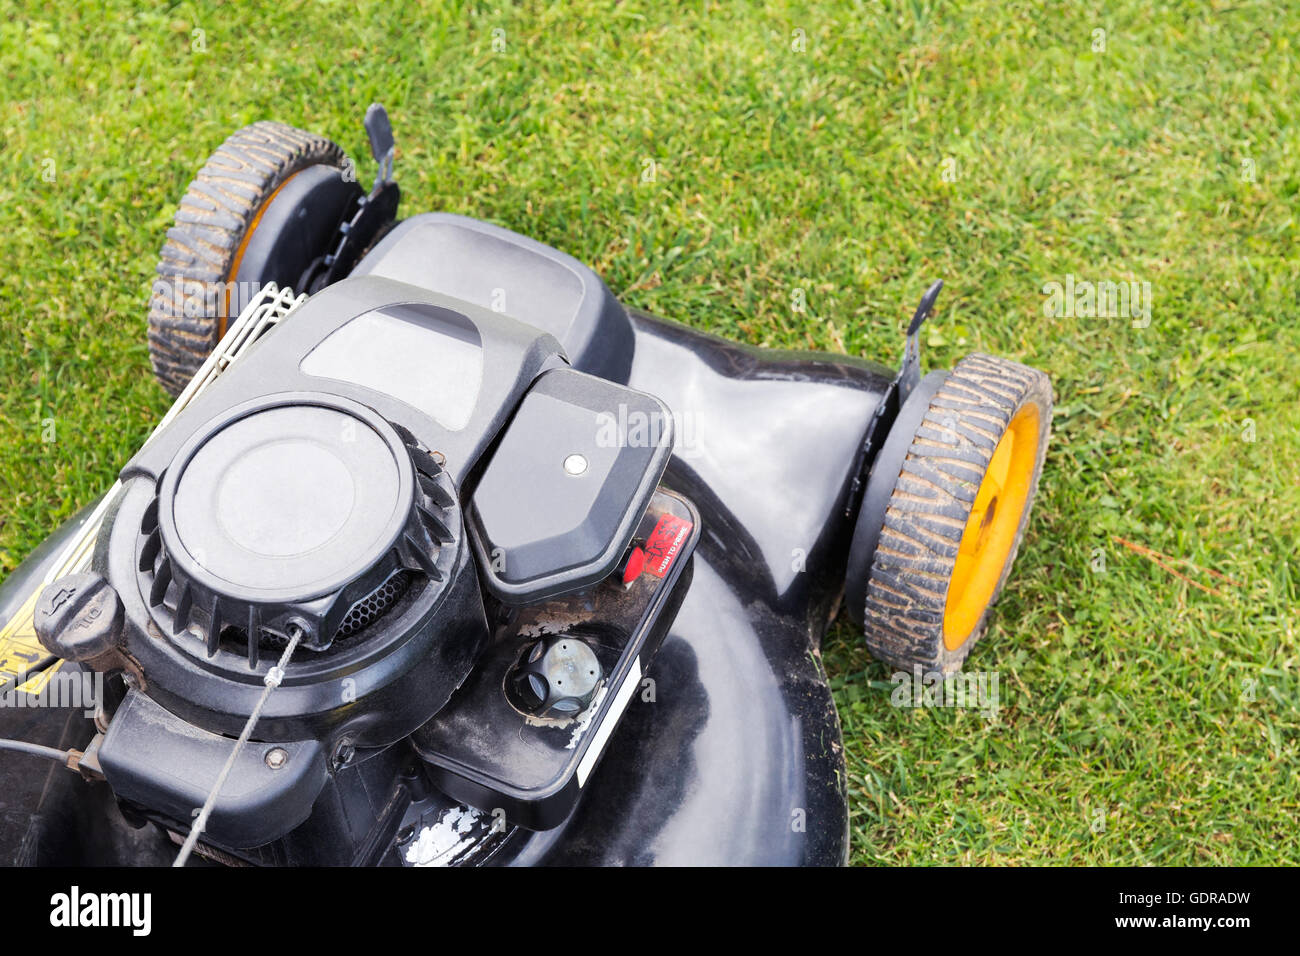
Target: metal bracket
(382, 144)
(373, 216)
(910, 374)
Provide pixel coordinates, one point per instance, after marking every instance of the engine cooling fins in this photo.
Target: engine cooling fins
(305, 515)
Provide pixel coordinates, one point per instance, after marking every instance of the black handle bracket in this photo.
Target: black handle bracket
(910, 374)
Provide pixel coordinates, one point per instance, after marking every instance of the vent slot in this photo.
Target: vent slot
(374, 605)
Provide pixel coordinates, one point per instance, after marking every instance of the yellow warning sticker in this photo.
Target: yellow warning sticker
(20, 649)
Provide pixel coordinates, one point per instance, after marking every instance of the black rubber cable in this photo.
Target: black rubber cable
(36, 750)
(42, 665)
(22, 746)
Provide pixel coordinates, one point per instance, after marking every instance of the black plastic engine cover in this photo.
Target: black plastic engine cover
(502, 270)
(313, 493)
(447, 371)
(313, 490)
(155, 761)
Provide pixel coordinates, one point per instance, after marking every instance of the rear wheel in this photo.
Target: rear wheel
(956, 510)
(196, 294)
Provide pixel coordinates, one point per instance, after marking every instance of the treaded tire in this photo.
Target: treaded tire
(950, 452)
(202, 248)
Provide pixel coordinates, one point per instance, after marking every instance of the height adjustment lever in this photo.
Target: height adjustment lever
(382, 144)
(911, 371)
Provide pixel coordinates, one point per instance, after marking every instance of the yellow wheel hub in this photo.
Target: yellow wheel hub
(992, 527)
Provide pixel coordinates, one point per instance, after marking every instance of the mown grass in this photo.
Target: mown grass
(1143, 719)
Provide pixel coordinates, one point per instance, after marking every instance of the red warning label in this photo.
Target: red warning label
(665, 543)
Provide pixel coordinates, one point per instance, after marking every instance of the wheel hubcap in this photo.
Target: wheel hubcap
(991, 527)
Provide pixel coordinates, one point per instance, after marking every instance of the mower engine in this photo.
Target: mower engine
(398, 543)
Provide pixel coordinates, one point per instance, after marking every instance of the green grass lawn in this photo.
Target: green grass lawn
(855, 151)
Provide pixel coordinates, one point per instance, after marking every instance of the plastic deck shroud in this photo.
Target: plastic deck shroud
(484, 752)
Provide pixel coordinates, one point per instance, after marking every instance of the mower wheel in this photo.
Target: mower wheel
(192, 298)
(956, 499)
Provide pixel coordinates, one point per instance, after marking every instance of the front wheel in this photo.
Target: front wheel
(210, 248)
(949, 503)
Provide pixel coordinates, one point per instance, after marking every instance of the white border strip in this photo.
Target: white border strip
(625, 691)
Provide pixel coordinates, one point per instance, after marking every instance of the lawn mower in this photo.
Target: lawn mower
(445, 556)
